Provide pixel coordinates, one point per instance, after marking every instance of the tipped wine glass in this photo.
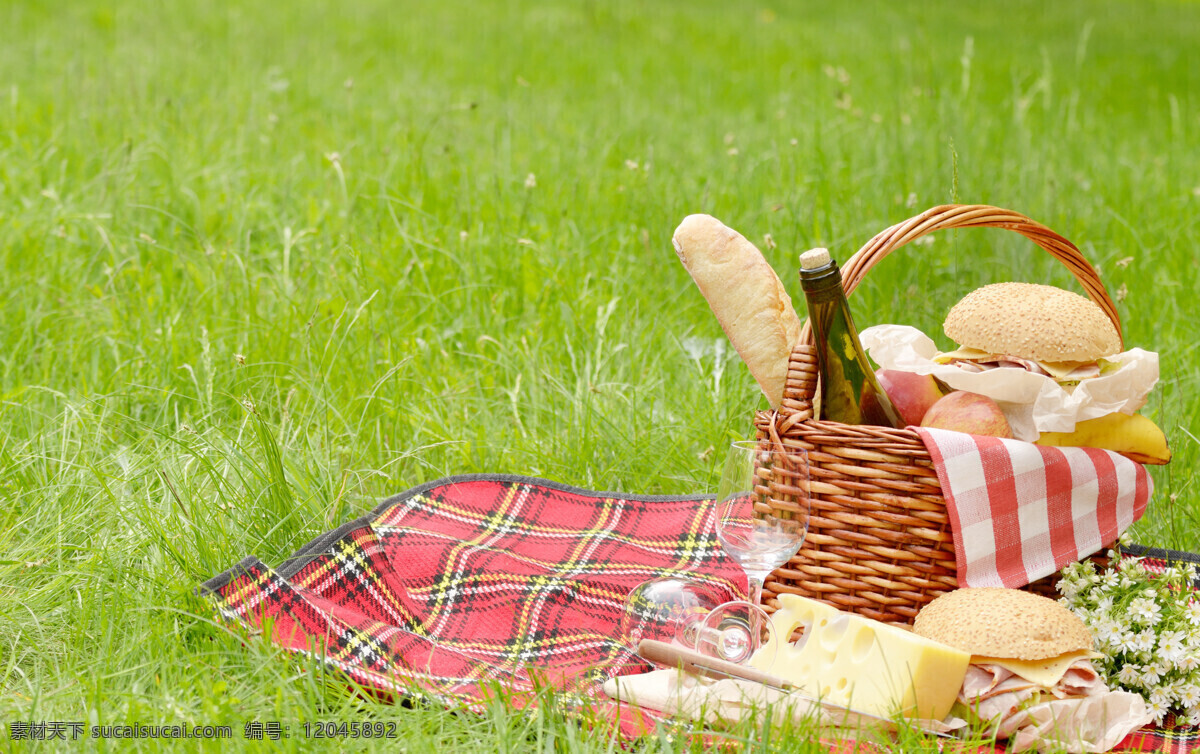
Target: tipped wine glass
(667, 609)
(689, 614)
(763, 507)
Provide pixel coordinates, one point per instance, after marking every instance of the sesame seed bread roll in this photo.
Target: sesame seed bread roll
(999, 622)
(1032, 321)
(745, 293)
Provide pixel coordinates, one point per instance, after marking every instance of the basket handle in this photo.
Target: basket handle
(949, 216)
(801, 386)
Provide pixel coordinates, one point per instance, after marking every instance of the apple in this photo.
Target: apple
(912, 394)
(968, 412)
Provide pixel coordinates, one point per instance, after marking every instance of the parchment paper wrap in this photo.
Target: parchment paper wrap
(673, 692)
(1032, 403)
(1087, 724)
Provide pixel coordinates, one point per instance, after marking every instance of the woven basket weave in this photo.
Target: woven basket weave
(879, 541)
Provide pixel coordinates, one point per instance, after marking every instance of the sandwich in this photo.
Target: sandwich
(1031, 677)
(1038, 328)
(1057, 334)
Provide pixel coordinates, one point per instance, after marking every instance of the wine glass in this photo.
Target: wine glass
(763, 507)
(689, 614)
(667, 609)
(737, 631)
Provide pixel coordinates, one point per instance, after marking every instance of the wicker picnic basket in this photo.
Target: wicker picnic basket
(879, 541)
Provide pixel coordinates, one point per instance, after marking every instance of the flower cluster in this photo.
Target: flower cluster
(1146, 626)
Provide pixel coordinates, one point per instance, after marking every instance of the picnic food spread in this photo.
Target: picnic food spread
(1016, 663)
(1010, 338)
(1035, 402)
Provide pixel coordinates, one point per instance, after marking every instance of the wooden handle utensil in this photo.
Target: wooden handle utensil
(700, 664)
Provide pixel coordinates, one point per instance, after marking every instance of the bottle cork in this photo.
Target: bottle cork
(814, 258)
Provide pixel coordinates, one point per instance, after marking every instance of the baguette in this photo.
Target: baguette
(751, 304)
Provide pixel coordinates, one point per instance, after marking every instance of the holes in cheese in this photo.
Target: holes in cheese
(863, 664)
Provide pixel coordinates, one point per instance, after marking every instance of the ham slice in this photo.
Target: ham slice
(1080, 680)
(1079, 712)
(1071, 374)
(993, 692)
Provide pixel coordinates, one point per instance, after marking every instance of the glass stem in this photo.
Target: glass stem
(756, 585)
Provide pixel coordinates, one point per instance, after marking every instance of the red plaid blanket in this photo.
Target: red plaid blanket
(473, 584)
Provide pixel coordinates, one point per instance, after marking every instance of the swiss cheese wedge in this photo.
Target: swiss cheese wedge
(863, 664)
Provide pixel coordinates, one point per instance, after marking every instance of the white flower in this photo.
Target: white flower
(1148, 627)
(1158, 709)
(1127, 642)
(1145, 611)
(1072, 570)
(1193, 636)
(1069, 588)
(1149, 676)
(1107, 632)
(1146, 640)
(1192, 612)
(1170, 691)
(1130, 674)
(1171, 647)
(1188, 695)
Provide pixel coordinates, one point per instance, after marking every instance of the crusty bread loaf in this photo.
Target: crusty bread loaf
(745, 293)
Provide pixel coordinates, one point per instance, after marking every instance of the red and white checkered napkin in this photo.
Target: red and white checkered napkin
(1020, 511)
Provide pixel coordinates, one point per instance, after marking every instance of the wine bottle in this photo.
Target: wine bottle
(849, 392)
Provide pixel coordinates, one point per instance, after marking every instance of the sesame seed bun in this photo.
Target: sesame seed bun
(1038, 322)
(1003, 623)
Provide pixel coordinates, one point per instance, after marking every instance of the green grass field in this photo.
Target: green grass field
(398, 241)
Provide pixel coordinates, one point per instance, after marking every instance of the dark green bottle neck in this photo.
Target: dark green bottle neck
(824, 282)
